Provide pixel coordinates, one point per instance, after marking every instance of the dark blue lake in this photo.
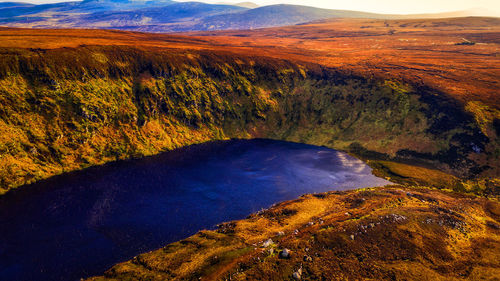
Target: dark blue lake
(79, 224)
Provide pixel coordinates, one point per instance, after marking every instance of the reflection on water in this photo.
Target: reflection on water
(79, 224)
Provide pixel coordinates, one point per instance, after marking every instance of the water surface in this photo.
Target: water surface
(79, 224)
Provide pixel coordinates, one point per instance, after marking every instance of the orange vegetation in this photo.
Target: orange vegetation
(420, 51)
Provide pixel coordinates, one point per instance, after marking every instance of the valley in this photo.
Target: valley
(416, 99)
(75, 98)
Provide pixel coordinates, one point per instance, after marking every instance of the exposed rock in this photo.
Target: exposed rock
(267, 243)
(226, 228)
(297, 275)
(285, 254)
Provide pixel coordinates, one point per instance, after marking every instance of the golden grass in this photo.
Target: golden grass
(431, 177)
(411, 233)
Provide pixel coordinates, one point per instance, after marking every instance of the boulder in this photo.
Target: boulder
(285, 254)
(267, 243)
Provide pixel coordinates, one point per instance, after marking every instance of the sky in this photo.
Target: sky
(489, 7)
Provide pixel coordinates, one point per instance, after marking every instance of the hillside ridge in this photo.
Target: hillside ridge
(171, 16)
(381, 233)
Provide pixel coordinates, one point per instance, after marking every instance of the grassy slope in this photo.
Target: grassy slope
(376, 234)
(70, 108)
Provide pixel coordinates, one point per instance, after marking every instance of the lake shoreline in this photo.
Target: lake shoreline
(382, 232)
(87, 221)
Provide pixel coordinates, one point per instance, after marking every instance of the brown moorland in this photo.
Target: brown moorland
(423, 50)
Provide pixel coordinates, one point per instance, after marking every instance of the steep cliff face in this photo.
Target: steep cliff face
(70, 108)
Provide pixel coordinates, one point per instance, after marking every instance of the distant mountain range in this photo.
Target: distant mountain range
(171, 16)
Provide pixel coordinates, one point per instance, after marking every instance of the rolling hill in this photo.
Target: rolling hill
(275, 15)
(14, 5)
(171, 16)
